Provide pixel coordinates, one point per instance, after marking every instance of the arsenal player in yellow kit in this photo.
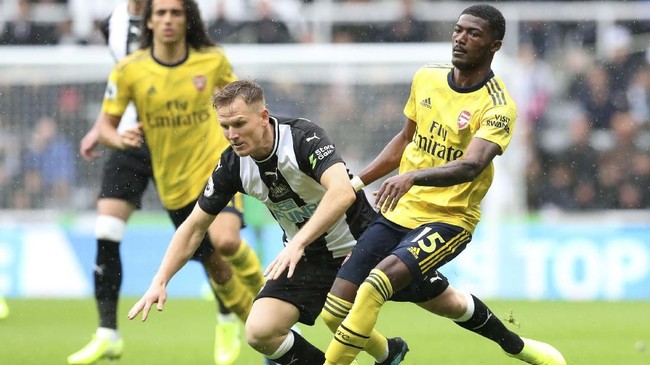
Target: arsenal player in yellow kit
(459, 117)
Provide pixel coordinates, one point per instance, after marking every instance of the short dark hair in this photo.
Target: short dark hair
(490, 14)
(250, 91)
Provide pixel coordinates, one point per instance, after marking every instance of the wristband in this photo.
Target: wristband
(356, 183)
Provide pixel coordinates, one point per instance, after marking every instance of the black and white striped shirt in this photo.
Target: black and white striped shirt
(288, 183)
(122, 33)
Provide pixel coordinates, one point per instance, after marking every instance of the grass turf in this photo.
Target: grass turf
(43, 332)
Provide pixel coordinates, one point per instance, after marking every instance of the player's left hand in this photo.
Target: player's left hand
(155, 294)
(287, 258)
(392, 190)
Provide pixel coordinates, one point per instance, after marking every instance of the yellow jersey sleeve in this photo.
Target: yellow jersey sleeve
(497, 126)
(117, 94)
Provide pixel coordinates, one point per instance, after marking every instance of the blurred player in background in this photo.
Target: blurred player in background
(129, 168)
(294, 169)
(458, 120)
(4, 308)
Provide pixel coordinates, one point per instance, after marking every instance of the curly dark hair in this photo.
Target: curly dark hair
(196, 35)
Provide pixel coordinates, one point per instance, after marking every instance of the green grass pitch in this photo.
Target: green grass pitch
(43, 332)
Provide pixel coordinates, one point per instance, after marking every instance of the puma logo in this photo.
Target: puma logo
(309, 139)
(435, 278)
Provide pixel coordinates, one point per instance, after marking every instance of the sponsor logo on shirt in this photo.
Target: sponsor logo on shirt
(288, 211)
(499, 121)
(434, 142)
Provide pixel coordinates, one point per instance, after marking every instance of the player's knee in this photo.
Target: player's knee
(109, 228)
(394, 268)
(258, 335)
(331, 321)
(451, 303)
(226, 244)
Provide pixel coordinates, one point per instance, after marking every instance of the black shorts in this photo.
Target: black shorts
(205, 249)
(308, 287)
(383, 238)
(126, 175)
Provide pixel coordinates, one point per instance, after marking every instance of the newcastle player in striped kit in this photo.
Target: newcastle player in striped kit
(294, 169)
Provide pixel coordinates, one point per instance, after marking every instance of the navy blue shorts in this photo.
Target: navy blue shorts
(424, 250)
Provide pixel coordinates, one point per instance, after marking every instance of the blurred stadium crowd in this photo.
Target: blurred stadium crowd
(583, 95)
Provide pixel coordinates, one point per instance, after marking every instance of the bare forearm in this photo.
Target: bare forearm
(108, 135)
(181, 248)
(453, 173)
(333, 205)
(387, 161)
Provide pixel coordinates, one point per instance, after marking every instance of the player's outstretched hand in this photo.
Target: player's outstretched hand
(391, 190)
(155, 294)
(287, 258)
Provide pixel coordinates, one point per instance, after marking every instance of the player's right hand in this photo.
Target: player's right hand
(132, 137)
(155, 294)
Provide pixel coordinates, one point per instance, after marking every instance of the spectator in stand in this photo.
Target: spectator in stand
(615, 167)
(535, 173)
(609, 178)
(582, 158)
(9, 162)
(581, 155)
(641, 175)
(629, 196)
(405, 29)
(49, 165)
(621, 63)
(544, 37)
(625, 130)
(596, 98)
(532, 80)
(584, 195)
(222, 29)
(269, 28)
(638, 95)
(558, 189)
(23, 31)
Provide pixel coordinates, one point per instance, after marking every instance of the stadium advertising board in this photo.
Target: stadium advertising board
(571, 261)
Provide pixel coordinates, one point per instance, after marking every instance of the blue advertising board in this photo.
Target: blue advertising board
(564, 261)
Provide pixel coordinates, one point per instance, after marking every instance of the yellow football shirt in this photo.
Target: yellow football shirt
(447, 119)
(174, 105)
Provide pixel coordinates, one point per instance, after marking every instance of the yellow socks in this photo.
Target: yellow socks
(235, 296)
(334, 312)
(354, 332)
(247, 267)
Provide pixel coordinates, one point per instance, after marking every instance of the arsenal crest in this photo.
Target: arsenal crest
(199, 82)
(463, 119)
